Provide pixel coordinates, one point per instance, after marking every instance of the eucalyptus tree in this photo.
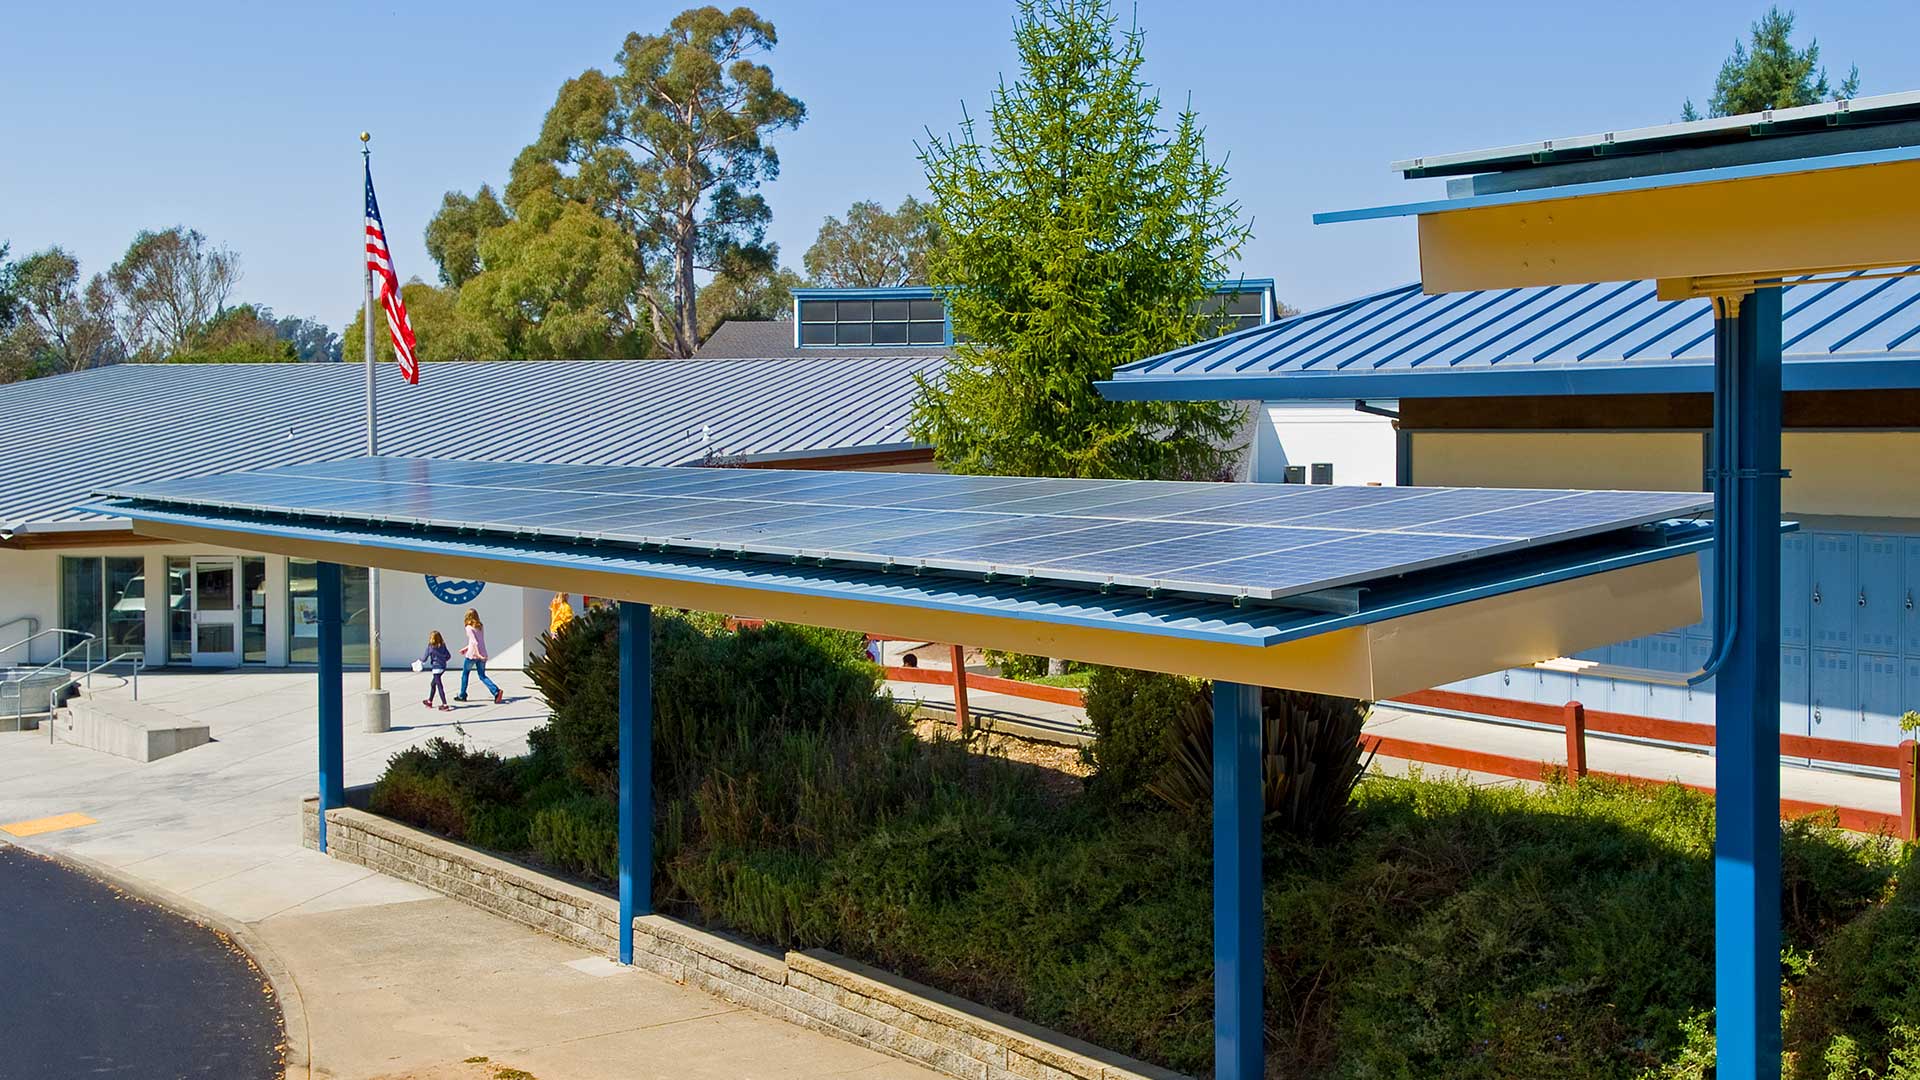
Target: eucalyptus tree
(874, 247)
(667, 152)
(170, 284)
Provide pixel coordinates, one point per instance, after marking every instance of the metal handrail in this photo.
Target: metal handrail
(49, 632)
(18, 682)
(33, 627)
(139, 659)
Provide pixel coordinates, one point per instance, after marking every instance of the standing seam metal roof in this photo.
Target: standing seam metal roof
(1619, 326)
(134, 423)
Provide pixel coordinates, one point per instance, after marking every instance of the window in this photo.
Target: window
(303, 613)
(82, 603)
(105, 597)
(1235, 310)
(253, 610)
(883, 322)
(179, 610)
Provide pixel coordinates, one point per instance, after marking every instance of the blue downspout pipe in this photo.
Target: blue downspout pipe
(636, 769)
(1746, 856)
(1239, 949)
(333, 781)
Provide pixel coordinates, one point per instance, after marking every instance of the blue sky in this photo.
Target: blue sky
(241, 120)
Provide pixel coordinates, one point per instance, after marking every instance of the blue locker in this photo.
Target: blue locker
(1665, 652)
(1795, 707)
(1633, 697)
(1836, 695)
(1880, 593)
(1911, 699)
(1558, 688)
(1835, 591)
(1796, 588)
(1910, 607)
(1697, 701)
(1879, 721)
(1630, 654)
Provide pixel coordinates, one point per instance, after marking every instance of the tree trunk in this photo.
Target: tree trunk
(1056, 666)
(686, 331)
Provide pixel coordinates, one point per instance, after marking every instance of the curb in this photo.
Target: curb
(297, 1057)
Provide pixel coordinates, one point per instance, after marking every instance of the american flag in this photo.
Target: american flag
(380, 264)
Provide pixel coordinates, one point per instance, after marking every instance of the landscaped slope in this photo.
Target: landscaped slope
(1446, 931)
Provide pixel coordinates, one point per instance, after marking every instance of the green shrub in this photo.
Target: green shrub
(1132, 715)
(442, 785)
(1310, 761)
(1864, 988)
(580, 836)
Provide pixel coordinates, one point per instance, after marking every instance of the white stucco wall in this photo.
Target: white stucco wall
(1359, 446)
(30, 586)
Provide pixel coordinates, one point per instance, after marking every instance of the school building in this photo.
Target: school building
(61, 567)
(831, 387)
(1606, 386)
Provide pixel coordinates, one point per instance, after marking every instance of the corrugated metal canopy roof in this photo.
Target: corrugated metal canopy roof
(1616, 337)
(135, 423)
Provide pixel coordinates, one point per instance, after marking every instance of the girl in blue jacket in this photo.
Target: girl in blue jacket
(436, 659)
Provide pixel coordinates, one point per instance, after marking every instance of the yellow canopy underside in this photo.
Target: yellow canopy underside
(1824, 220)
(1369, 662)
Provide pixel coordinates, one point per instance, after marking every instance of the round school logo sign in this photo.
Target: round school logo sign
(454, 591)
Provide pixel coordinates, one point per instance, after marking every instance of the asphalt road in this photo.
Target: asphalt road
(95, 983)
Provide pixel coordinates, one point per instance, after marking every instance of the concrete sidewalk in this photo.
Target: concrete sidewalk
(379, 978)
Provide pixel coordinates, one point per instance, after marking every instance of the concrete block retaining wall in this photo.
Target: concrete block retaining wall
(815, 989)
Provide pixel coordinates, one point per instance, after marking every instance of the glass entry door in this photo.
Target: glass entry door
(216, 611)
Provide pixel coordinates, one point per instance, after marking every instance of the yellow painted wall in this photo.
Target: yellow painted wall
(1853, 473)
(1600, 460)
(1868, 473)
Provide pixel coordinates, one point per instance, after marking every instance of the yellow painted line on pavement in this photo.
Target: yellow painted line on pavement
(47, 824)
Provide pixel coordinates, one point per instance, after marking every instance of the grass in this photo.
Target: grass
(1074, 680)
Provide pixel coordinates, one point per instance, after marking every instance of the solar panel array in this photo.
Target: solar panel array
(1262, 541)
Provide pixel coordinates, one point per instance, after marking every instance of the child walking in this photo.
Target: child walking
(476, 658)
(436, 659)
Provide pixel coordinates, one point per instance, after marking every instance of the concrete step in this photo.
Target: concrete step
(113, 724)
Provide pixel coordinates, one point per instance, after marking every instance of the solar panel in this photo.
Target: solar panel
(1242, 540)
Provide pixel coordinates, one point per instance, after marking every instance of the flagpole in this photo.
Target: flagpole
(379, 712)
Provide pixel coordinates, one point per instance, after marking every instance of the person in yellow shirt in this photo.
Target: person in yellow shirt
(559, 614)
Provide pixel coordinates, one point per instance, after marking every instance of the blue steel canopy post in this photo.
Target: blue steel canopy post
(1238, 930)
(333, 783)
(636, 769)
(1746, 857)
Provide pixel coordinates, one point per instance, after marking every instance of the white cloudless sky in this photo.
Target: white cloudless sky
(242, 120)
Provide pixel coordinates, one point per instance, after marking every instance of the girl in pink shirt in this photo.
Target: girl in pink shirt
(475, 652)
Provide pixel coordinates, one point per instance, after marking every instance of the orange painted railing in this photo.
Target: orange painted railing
(1577, 720)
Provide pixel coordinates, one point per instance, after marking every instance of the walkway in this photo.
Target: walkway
(387, 979)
